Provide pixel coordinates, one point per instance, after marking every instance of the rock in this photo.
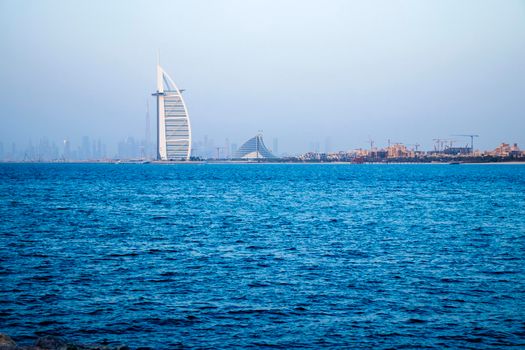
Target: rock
(50, 342)
(6, 343)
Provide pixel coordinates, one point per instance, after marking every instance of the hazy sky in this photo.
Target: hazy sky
(301, 71)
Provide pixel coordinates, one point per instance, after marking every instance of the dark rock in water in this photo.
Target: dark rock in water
(49, 342)
(6, 343)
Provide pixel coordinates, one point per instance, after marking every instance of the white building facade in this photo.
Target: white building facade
(173, 122)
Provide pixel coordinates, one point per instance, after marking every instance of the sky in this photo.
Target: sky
(303, 72)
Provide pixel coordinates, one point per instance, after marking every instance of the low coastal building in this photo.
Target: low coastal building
(398, 150)
(506, 150)
(457, 151)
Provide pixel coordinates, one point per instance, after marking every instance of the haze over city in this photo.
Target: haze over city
(300, 71)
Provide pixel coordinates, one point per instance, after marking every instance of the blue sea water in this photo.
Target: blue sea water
(262, 255)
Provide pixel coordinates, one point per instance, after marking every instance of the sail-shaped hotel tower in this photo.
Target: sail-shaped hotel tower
(173, 122)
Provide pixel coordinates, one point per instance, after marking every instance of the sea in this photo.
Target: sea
(240, 256)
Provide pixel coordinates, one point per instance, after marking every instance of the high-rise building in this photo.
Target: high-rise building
(327, 145)
(85, 151)
(66, 155)
(173, 122)
(233, 149)
(314, 146)
(227, 154)
(128, 149)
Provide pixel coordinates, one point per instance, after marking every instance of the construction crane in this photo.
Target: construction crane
(442, 144)
(414, 145)
(219, 149)
(371, 142)
(439, 144)
(471, 141)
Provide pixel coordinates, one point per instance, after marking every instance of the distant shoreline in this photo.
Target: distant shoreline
(203, 162)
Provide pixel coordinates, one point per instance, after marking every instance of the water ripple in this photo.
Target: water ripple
(264, 256)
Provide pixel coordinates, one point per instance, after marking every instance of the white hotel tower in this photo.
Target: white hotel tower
(173, 122)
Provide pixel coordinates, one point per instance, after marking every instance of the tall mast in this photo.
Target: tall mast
(158, 94)
(148, 132)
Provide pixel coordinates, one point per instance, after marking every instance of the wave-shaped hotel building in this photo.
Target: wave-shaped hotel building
(254, 148)
(173, 122)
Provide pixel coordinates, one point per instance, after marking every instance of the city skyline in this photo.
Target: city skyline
(130, 148)
(408, 73)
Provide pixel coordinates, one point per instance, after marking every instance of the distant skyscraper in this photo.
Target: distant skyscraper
(99, 149)
(67, 150)
(227, 154)
(86, 149)
(233, 149)
(173, 123)
(314, 146)
(275, 149)
(14, 152)
(327, 145)
(129, 149)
